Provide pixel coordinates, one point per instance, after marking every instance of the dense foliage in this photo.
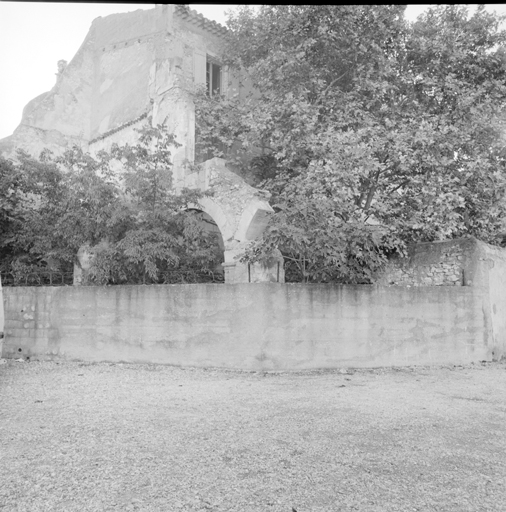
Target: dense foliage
(120, 204)
(370, 132)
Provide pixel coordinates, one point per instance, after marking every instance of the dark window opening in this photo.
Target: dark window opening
(213, 78)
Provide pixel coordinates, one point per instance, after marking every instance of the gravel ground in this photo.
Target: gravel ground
(120, 437)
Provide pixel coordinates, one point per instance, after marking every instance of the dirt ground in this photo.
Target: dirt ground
(120, 437)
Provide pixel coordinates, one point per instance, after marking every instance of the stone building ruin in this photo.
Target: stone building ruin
(142, 64)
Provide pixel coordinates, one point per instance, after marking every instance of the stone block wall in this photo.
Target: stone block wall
(446, 263)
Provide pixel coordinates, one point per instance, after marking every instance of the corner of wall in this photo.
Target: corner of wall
(491, 272)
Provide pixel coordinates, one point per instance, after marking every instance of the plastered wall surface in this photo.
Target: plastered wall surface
(490, 274)
(250, 326)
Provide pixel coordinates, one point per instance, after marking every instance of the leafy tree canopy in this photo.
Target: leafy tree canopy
(121, 204)
(369, 131)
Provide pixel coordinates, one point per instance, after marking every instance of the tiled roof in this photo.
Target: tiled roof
(199, 20)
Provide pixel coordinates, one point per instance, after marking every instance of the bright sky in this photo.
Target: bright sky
(35, 36)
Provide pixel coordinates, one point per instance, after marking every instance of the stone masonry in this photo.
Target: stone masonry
(446, 263)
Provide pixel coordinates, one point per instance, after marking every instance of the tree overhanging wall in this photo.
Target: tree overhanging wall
(270, 325)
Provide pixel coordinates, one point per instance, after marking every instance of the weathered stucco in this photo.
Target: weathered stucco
(261, 326)
(130, 64)
(490, 275)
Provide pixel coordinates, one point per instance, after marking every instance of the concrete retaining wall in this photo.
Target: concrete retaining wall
(254, 326)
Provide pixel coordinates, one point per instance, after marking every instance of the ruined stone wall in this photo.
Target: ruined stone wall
(241, 212)
(150, 68)
(124, 134)
(127, 50)
(121, 84)
(141, 65)
(131, 64)
(119, 28)
(447, 263)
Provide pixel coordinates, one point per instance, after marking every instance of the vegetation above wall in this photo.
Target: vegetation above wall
(120, 204)
(370, 132)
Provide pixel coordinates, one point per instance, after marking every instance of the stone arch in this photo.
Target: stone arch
(241, 212)
(210, 227)
(215, 211)
(253, 220)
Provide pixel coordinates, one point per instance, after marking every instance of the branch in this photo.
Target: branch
(405, 182)
(372, 190)
(327, 89)
(262, 146)
(290, 258)
(359, 200)
(370, 196)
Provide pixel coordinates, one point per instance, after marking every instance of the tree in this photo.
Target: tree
(13, 208)
(75, 196)
(121, 205)
(369, 132)
(154, 237)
